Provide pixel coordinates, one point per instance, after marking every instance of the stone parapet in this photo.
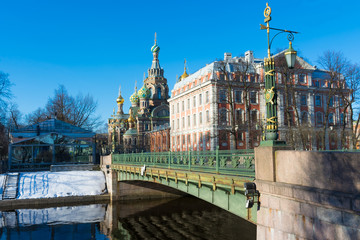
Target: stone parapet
(308, 195)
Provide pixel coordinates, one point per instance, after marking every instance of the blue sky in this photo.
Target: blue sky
(93, 46)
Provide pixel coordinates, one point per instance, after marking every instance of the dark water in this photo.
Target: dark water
(182, 218)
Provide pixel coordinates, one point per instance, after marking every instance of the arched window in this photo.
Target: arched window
(159, 92)
(135, 141)
(130, 141)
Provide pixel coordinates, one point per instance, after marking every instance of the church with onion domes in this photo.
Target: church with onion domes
(149, 109)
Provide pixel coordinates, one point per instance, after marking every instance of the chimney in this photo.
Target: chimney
(249, 56)
(227, 56)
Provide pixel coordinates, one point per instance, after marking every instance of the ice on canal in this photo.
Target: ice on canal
(60, 184)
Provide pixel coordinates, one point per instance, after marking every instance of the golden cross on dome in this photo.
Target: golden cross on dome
(119, 90)
(155, 38)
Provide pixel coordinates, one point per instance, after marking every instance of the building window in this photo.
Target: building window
(207, 97)
(177, 107)
(188, 103)
(194, 138)
(223, 116)
(207, 116)
(331, 119)
(177, 123)
(222, 95)
(252, 78)
(183, 122)
(200, 99)
(302, 78)
(253, 97)
(304, 117)
(240, 136)
(194, 101)
(319, 118)
(342, 118)
(188, 121)
(318, 101)
(303, 100)
(238, 116)
(289, 99)
(317, 84)
(200, 118)
(331, 102)
(194, 119)
(159, 92)
(341, 102)
(172, 109)
(238, 96)
(253, 116)
(182, 106)
(173, 124)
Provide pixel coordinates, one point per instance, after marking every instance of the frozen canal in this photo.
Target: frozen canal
(58, 184)
(182, 218)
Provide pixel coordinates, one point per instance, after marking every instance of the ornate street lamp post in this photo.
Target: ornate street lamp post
(271, 131)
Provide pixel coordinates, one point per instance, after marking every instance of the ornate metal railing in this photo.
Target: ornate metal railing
(238, 162)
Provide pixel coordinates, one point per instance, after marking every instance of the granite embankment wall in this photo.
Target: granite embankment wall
(308, 195)
(52, 202)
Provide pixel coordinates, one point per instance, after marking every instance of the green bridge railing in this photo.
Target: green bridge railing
(234, 162)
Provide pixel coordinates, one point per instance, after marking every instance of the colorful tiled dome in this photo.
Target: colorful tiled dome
(134, 99)
(144, 92)
(155, 48)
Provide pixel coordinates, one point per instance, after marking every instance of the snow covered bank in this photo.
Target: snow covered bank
(60, 184)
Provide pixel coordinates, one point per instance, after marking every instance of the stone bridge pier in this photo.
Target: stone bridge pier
(307, 195)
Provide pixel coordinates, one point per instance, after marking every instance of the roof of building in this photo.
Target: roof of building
(131, 131)
(51, 126)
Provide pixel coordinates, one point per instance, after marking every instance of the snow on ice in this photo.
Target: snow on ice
(60, 184)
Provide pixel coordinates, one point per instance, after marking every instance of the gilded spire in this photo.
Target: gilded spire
(120, 99)
(185, 74)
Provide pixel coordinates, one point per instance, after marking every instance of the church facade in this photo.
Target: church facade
(149, 109)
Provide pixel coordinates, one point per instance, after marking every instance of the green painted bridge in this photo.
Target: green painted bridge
(216, 176)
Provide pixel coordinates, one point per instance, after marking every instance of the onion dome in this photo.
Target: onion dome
(134, 98)
(120, 99)
(144, 92)
(155, 48)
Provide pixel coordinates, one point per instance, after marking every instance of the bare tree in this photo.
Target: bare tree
(297, 129)
(79, 111)
(350, 97)
(5, 89)
(238, 76)
(36, 116)
(335, 64)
